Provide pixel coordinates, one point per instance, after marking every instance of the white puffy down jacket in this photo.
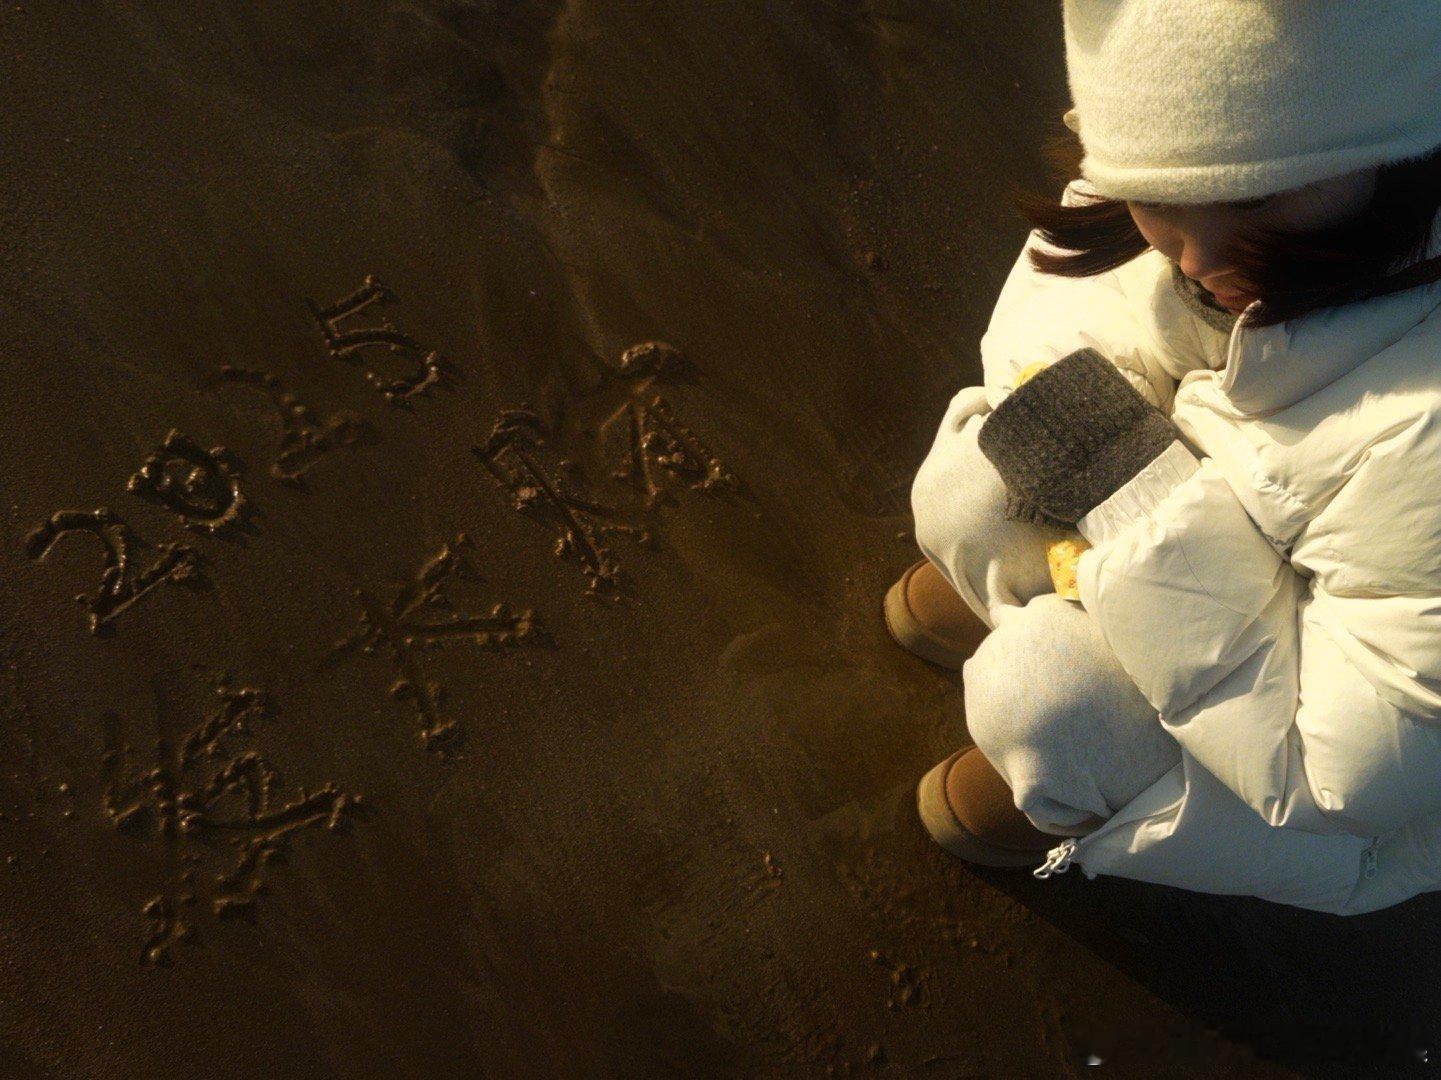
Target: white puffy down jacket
(1272, 582)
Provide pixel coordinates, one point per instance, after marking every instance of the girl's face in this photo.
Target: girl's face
(1197, 236)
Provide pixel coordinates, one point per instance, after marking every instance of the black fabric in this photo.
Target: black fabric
(1068, 438)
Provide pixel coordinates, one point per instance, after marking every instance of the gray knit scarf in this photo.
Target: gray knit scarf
(1200, 302)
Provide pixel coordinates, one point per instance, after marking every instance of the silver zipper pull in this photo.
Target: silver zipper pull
(1058, 859)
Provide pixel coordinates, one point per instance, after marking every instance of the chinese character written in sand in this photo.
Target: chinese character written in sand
(658, 451)
(519, 455)
(421, 617)
(635, 424)
(355, 344)
(203, 798)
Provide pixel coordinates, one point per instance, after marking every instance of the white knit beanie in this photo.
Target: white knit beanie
(1186, 101)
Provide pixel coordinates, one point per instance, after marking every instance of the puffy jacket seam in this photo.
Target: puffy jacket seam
(1201, 582)
(1296, 507)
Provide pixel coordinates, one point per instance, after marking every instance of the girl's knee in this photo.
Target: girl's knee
(955, 500)
(1013, 704)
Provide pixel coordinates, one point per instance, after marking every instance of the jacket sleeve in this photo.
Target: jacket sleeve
(1046, 316)
(1318, 706)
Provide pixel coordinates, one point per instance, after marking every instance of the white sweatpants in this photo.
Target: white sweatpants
(1046, 699)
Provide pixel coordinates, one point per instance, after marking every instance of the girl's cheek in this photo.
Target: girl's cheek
(1152, 231)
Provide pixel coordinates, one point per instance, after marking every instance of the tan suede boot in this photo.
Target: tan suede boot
(969, 810)
(927, 617)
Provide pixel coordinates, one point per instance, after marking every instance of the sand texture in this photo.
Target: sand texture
(454, 455)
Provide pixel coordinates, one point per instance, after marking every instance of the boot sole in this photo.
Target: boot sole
(910, 635)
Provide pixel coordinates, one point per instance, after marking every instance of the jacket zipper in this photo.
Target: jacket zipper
(1368, 858)
(1058, 859)
(1233, 351)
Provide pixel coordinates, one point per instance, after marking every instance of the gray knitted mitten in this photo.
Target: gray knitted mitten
(1067, 439)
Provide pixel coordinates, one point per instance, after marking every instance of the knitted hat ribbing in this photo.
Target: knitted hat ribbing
(1189, 101)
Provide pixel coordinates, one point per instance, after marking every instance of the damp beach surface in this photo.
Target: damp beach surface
(454, 455)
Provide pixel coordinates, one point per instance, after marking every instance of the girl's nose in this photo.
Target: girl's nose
(1204, 263)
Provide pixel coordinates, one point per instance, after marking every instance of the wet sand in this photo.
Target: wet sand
(479, 436)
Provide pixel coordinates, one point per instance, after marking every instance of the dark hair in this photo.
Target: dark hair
(1291, 273)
